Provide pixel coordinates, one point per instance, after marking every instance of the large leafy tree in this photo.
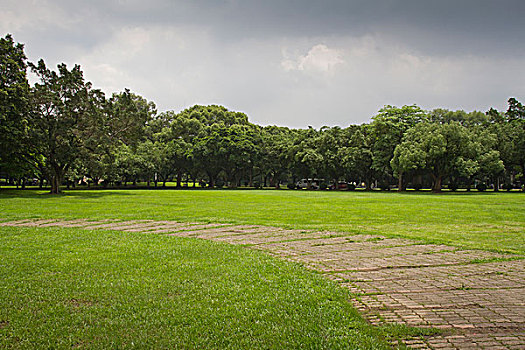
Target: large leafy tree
(509, 129)
(274, 151)
(329, 141)
(128, 114)
(14, 106)
(222, 142)
(227, 149)
(306, 161)
(356, 156)
(387, 130)
(64, 118)
(444, 149)
(515, 130)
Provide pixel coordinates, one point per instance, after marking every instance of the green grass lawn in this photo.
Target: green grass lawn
(70, 288)
(492, 221)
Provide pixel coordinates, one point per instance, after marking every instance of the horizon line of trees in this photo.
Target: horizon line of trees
(61, 131)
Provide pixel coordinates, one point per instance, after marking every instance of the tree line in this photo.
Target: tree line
(62, 131)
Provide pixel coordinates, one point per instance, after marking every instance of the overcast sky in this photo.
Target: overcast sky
(293, 63)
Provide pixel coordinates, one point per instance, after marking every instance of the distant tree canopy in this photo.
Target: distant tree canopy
(62, 132)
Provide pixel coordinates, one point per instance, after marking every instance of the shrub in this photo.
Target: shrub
(219, 184)
(257, 184)
(481, 187)
(417, 187)
(508, 186)
(453, 186)
(350, 187)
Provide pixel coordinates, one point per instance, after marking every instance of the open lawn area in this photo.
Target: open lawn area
(95, 288)
(69, 288)
(489, 221)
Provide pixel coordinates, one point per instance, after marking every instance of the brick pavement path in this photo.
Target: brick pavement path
(476, 297)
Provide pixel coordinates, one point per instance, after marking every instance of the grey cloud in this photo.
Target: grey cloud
(465, 26)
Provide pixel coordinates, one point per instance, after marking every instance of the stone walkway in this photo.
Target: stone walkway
(476, 298)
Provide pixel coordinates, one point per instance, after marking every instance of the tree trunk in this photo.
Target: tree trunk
(250, 182)
(211, 179)
(437, 184)
(55, 184)
(400, 187)
(368, 184)
(179, 179)
(56, 178)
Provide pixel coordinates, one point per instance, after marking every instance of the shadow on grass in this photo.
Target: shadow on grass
(127, 191)
(453, 193)
(44, 194)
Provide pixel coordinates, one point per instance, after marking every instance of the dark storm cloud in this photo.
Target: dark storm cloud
(473, 26)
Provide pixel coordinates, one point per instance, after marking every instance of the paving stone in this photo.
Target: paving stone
(34, 223)
(158, 225)
(15, 223)
(63, 223)
(86, 223)
(183, 231)
(113, 225)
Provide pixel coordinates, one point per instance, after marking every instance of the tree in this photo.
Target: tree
(306, 161)
(274, 149)
(225, 143)
(128, 115)
(329, 141)
(356, 157)
(15, 151)
(515, 129)
(442, 149)
(515, 111)
(63, 117)
(387, 130)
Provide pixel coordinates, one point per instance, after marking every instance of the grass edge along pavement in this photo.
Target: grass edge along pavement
(67, 287)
